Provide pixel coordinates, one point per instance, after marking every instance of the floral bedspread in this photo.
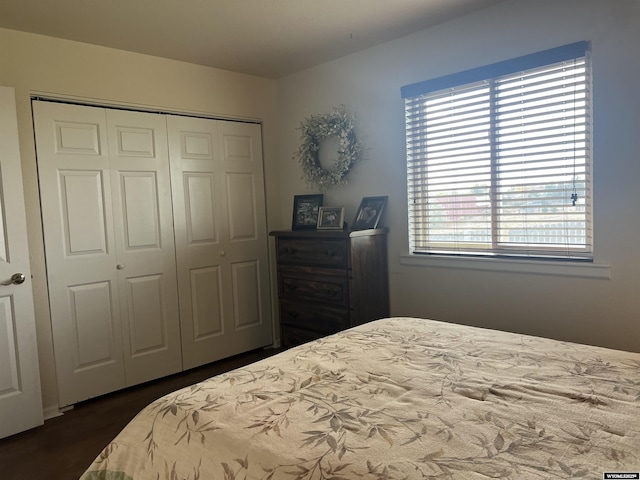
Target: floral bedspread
(399, 398)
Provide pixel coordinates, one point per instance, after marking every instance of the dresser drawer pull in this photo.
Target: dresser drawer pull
(331, 253)
(289, 250)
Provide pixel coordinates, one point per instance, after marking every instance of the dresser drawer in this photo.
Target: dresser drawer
(323, 320)
(313, 251)
(325, 289)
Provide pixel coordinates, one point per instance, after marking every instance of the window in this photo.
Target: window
(498, 158)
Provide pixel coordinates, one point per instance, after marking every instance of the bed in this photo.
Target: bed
(398, 398)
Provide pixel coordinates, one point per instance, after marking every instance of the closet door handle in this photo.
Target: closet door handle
(120, 266)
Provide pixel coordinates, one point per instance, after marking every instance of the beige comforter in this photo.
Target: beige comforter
(399, 398)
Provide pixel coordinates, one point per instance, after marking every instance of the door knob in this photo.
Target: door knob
(16, 279)
(120, 266)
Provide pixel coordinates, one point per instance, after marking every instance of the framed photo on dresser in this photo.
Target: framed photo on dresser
(305, 211)
(331, 218)
(369, 213)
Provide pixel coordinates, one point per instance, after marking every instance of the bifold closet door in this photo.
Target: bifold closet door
(143, 223)
(105, 194)
(221, 237)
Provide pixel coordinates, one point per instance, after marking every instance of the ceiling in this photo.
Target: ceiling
(268, 38)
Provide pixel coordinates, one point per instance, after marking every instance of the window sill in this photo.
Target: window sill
(535, 267)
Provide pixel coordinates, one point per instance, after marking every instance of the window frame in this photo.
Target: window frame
(491, 73)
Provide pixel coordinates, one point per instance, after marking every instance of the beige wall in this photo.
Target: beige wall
(596, 311)
(604, 312)
(34, 64)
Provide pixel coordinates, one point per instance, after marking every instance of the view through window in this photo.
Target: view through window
(498, 158)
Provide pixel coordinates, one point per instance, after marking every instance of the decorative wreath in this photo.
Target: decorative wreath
(317, 128)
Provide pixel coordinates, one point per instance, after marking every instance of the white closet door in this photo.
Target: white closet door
(75, 188)
(146, 266)
(106, 205)
(221, 238)
(20, 396)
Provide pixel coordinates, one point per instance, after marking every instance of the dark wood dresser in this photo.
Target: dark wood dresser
(329, 281)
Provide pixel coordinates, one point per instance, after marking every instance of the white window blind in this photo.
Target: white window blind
(498, 158)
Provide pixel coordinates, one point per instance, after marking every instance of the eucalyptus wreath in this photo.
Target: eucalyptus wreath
(314, 130)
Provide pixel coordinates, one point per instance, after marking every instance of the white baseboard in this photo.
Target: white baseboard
(52, 411)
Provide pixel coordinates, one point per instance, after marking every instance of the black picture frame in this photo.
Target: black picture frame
(305, 211)
(330, 218)
(369, 213)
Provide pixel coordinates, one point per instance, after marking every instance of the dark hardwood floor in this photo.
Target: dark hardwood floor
(64, 446)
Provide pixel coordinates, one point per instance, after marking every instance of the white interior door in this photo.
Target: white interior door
(145, 250)
(20, 397)
(75, 190)
(221, 238)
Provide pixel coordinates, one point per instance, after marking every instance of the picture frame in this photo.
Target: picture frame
(305, 211)
(330, 218)
(369, 212)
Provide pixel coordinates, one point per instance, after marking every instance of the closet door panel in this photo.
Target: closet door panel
(200, 208)
(196, 183)
(143, 226)
(147, 328)
(75, 189)
(206, 288)
(241, 203)
(91, 316)
(246, 294)
(247, 242)
(218, 196)
(83, 212)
